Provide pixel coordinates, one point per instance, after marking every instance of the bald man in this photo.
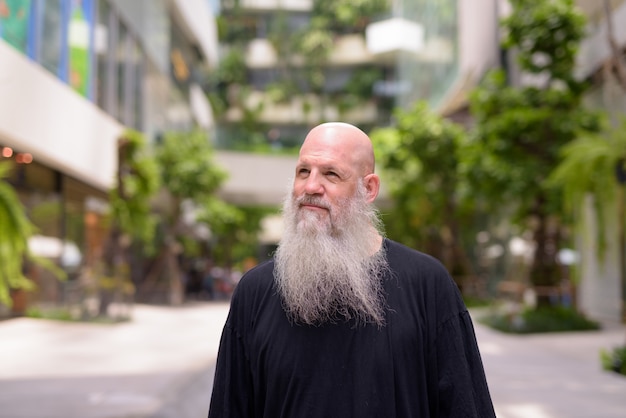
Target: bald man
(343, 322)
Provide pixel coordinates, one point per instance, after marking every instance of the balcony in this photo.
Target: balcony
(271, 5)
(260, 53)
(292, 112)
(351, 50)
(390, 37)
(348, 50)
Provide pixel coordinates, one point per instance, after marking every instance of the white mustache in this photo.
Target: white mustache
(312, 200)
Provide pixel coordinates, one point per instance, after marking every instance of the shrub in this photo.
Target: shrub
(614, 360)
(537, 320)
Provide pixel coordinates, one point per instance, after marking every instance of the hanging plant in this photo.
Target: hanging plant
(16, 230)
(591, 166)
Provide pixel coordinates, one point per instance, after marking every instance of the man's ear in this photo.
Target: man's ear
(372, 187)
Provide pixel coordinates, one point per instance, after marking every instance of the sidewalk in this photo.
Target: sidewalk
(557, 375)
(142, 368)
(160, 365)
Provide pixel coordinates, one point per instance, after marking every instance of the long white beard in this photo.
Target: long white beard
(324, 267)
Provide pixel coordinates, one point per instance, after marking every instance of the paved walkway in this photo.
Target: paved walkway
(146, 368)
(142, 368)
(556, 375)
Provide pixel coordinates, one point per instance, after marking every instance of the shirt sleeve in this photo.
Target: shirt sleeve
(232, 385)
(462, 385)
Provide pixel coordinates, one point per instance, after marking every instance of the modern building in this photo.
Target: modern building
(74, 76)
(289, 64)
(602, 290)
(407, 51)
(429, 50)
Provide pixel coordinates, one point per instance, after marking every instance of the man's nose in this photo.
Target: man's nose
(313, 185)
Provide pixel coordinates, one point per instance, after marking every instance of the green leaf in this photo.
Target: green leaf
(16, 230)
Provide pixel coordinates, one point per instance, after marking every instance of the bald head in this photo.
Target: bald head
(348, 142)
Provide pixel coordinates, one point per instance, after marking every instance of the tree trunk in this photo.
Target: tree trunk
(545, 271)
(19, 302)
(174, 274)
(114, 255)
(460, 266)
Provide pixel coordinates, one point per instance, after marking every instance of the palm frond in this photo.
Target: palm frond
(16, 230)
(588, 168)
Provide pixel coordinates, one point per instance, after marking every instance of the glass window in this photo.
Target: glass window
(110, 64)
(79, 42)
(39, 189)
(51, 36)
(182, 59)
(102, 40)
(119, 68)
(138, 89)
(261, 77)
(121, 55)
(14, 17)
(128, 118)
(337, 78)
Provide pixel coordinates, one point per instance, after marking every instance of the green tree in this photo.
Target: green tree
(349, 15)
(137, 181)
(190, 178)
(419, 159)
(520, 130)
(235, 231)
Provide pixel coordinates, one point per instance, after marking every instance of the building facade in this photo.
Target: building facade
(405, 51)
(287, 65)
(603, 279)
(74, 76)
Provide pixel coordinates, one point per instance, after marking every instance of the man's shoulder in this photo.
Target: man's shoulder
(260, 275)
(254, 286)
(403, 252)
(422, 270)
(262, 268)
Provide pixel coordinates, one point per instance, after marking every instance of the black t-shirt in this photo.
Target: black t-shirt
(423, 363)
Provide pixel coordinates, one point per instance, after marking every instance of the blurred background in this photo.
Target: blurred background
(146, 145)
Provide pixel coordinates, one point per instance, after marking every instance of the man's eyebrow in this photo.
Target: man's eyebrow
(329, 166)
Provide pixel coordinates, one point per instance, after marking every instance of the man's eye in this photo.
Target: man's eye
(332, 174)
(303, 171)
